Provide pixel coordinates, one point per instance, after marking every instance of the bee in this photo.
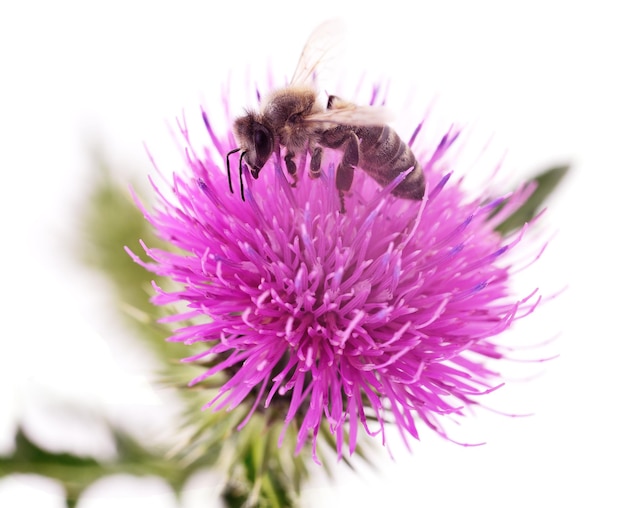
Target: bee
(292, 118)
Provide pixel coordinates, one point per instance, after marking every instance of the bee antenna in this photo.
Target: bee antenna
(230, 183)
(241, 174)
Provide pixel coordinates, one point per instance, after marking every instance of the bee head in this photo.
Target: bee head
(256, 141)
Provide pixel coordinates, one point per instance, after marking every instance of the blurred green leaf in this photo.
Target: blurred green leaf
(76, 473)
(111, 220)
(547, 181)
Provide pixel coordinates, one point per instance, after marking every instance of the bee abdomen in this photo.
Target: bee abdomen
(384, 156)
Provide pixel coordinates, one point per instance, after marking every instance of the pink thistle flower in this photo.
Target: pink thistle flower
(386, 312)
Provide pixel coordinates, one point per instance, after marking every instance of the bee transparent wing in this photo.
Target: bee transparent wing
(353, 115)
(322, 42)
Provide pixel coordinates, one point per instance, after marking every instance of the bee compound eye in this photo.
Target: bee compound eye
(262, 142)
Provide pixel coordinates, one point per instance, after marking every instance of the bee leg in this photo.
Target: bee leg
(345, 171)
(331, 100)
(291, 167)
(316, 162)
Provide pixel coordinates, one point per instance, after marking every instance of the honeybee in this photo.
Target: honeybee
(294, 119)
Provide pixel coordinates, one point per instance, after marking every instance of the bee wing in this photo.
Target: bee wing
(353, 115)
(317, 49)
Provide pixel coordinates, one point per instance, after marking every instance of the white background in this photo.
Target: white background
(546, 77)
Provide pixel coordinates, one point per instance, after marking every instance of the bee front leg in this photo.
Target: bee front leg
(291, 167)
(345, 171)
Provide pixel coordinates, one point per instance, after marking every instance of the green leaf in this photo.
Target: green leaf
(546, 182)
(76, 473)
(109, 221)
(73, 472)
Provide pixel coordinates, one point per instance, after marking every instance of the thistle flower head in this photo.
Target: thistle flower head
(338, 321)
